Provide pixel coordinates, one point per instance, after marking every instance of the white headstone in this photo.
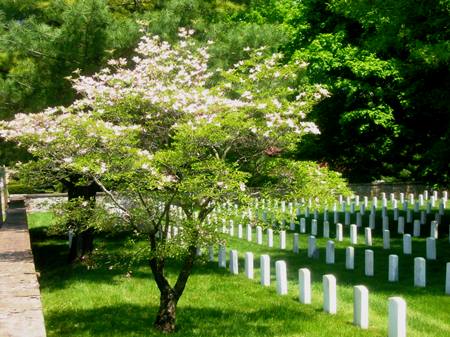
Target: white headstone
(423, 217)
(420, 279)
(386, 239)
(259, 235)
(361, 307)
(358, 219)
(369, 262)
(396, 214)
(372, 221)
(352, 208)
(304, 285)
(401, 225)
(211, 253)
(431, 248)
(302, 225)
(409, 216)
(249, 232)
(222, 257)
(292, 225)
(397, 317)
(350, 258)
(270, 237)
(385, 222)
(311, 246)
(265, 270)
(231, 228)
(240, 231)
(434, 229)
(234, 267)
(329, 294)
(407, 244)
(282, 239)
(393, 268)
(281, 275)
(428, 210)
(295, 245)
(336, 217)
(362, 209)
(330, 252)
(314, 227)
(353, 234)
(326, 229)
(249, 265)
(416, 207)
(347, 218)
(339, 232)
(71, 234)
(416, 229)
(368, 236)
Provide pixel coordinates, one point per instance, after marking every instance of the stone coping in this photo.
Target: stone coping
(20, 302)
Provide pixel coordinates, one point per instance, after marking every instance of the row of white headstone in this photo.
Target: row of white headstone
(393, 274)
(397, 306)
(356, 200)
(407, 239)
(266, 209)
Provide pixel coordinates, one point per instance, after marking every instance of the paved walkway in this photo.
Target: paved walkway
(20, 302)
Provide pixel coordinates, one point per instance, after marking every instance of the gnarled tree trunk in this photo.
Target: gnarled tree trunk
(169, 296)
(165, 319)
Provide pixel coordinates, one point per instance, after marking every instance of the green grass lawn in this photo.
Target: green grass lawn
(105, 301)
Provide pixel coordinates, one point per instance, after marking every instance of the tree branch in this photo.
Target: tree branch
(113, 198)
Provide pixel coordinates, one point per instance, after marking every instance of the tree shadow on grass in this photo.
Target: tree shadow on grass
(137, 320)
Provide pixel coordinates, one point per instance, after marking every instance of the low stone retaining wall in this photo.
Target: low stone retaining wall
(20, 302)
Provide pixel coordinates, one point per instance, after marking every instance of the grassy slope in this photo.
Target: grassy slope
(105, 302)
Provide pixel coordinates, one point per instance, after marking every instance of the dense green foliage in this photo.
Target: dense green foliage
(386, 64)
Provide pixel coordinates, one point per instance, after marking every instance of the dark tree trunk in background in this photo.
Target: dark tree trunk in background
(82, 242)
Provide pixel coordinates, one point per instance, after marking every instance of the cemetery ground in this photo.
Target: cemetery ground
(101, 298)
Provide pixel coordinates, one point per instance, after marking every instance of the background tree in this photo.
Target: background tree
(386, 65)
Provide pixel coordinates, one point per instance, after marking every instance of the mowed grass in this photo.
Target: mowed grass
(106, 301)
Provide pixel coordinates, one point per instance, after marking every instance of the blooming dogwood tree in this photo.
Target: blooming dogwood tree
(167, 139)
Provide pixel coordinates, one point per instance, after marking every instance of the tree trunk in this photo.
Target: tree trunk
(83, 242)
(165, 319)
(82, 245)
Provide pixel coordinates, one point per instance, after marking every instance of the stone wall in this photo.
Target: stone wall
(375, 189)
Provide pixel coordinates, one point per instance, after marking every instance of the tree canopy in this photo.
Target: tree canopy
(167, 139)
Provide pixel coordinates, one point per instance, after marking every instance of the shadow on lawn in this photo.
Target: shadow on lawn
(137, 320)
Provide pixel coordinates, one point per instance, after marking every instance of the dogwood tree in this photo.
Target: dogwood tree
(167, 139)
